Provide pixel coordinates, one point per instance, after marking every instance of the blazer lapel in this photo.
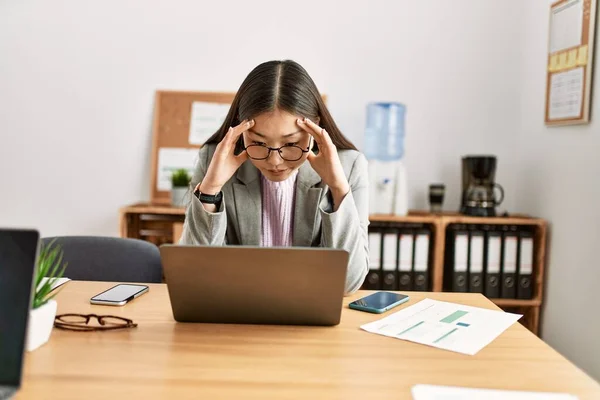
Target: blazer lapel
(249, 213)
(306, 205)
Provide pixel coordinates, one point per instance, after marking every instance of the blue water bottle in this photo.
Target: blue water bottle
(384, 133)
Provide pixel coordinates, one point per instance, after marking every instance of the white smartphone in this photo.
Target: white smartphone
(119, 295)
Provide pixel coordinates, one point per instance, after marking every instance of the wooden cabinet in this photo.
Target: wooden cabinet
(158, 224)
(163, 224)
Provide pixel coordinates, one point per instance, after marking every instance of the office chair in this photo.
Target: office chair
(100, 258)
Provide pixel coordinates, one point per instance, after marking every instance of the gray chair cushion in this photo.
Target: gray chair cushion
(99, 258)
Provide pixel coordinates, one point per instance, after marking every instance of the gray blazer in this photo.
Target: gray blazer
(238, 220)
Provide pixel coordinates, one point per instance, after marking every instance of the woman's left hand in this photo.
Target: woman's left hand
(327, 163)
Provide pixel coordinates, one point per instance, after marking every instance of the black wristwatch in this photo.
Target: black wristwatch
(209, 198)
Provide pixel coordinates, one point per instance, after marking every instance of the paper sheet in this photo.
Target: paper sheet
(566, 23)
(447, 326)
(566, 94)
(431, 392)
(171, 159)
(57, 283)
(205, 119)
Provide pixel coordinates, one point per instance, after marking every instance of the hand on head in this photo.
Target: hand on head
(225, 162)
(326, 163)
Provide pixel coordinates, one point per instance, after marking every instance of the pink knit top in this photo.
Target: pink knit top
(278, 211)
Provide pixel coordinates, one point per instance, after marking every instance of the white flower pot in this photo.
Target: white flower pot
(178, 196)
(39, 328)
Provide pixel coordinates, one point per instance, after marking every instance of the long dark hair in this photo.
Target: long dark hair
(282, 85)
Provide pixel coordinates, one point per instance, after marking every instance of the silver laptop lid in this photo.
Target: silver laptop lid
(256, 285)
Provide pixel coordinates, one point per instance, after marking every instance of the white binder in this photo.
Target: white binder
(374, 250)
(390, 243)
(421, 252)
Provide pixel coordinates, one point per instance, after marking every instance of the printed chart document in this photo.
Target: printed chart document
(447, 326)
(432, 392)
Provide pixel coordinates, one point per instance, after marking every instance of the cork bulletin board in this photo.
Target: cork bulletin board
(570, 62)
(182, 122)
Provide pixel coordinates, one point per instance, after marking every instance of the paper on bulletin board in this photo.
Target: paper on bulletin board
(566, 22)
(205, 119)
(171, 159)
(566, 94)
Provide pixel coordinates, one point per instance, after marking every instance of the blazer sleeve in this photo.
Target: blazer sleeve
(202, 227)
(347, 228)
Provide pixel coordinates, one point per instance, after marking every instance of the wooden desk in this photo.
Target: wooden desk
(164, 359)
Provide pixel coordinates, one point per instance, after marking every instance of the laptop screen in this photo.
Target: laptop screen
(18, 252)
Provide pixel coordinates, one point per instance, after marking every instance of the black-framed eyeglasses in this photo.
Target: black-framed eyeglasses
(288, 152)
(80, 322)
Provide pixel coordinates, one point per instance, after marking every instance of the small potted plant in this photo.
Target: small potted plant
(49, 269)
(180, 181)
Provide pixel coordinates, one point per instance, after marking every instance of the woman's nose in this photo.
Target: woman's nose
(274, 158)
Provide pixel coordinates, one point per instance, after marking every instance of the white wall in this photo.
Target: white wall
(77, 82)
(559, 179)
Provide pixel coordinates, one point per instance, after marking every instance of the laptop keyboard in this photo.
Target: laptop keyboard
(6, 393)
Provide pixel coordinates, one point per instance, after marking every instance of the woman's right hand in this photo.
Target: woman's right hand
(224, 163)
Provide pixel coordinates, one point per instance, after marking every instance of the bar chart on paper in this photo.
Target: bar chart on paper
(447, 326)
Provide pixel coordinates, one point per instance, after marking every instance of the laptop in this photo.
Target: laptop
(18, 255)
(255, 285)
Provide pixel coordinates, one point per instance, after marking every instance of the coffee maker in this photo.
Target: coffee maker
(478, 195)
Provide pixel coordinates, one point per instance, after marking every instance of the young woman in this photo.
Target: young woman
(254, 186)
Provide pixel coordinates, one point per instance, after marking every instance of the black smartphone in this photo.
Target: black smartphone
(379, 302)
(119, 295)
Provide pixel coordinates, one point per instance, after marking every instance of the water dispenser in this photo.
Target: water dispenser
(384, 149)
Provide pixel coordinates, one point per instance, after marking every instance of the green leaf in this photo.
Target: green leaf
(50, 265)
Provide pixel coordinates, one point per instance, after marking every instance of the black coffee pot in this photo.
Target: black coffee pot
(479, 197)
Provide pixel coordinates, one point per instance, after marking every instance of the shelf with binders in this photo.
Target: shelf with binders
(502, 261)
(401, 254)
(518, 229)
(501, 257)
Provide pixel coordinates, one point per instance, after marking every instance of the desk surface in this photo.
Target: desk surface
(164, 359)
